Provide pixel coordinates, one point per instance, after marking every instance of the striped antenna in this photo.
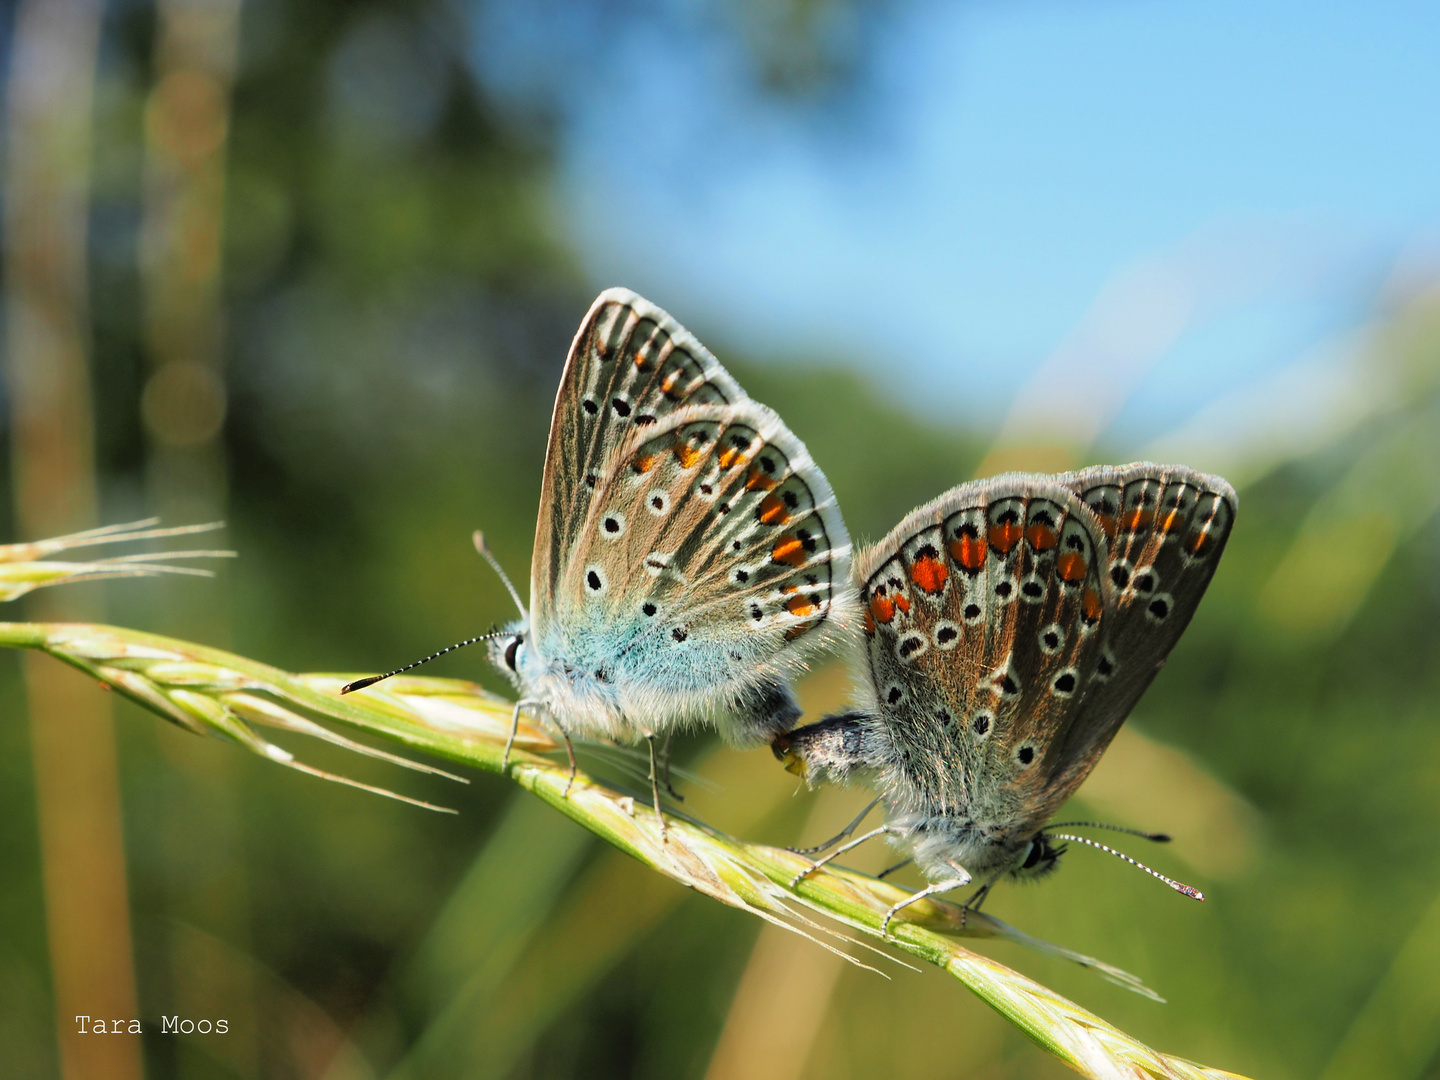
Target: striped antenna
(360, 684)
(1178, 886)
(1158, 837)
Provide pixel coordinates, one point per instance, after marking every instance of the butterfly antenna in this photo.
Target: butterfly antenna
(1178, 886)
(485, 553)
(360, 684)
(1158, 837)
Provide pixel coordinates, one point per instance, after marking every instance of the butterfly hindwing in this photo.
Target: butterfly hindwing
(984, 618)
(629, 366)
(1165, 528)
(689, 553)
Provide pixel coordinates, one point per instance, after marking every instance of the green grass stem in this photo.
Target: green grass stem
(211, 692)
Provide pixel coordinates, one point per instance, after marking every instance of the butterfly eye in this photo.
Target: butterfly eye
(1040, 858)
(1034, 855)
(511, 650)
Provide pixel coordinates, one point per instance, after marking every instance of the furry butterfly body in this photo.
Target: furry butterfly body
(689, 555)
(1010, 627)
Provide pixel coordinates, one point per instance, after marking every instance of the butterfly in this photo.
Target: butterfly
(689, 554)
(1010, 626)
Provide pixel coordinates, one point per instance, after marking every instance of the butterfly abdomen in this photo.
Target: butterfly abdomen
(832, 750)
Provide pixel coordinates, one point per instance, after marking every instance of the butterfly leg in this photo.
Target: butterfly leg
(883, 874)
(515, 729)
(929, 890)
(977, 898)
(981, 894)
(665, 757)
(881, 831)
(570, 753)
(655, 788)
(841, 835)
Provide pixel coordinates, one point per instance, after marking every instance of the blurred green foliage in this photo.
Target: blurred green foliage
(399, 299)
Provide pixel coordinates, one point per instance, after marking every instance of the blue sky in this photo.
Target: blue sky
(1225, 186)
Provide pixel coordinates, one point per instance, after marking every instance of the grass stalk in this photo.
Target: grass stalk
(219, 694)
(25, 567)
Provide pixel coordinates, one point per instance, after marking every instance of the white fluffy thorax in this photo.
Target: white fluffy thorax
(591, 689)
(590, 704)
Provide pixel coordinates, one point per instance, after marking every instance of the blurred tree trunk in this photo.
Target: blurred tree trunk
(187, 126)
(47, 326)
(187, 120)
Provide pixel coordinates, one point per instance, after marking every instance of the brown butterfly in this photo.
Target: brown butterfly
(1011, 626)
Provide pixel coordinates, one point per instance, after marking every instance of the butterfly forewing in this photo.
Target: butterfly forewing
(630, 366)
(1165, 528)
(985, 613)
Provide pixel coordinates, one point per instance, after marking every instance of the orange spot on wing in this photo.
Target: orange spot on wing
(758, 481)
(733, 454)
(882, 608)
(686, 454)
(1108, 524)
(869, 623)
(1172, 521)
(1004, 537)
(929, 573)
(801, 605)
(1137, 519)
(1042, 537)
(667, 385)
(969, 552)
(1071, 566)
(1090, 606)
(903, 603)
(772, 510)
(643, 463)
(1198, 543)
(789, 550)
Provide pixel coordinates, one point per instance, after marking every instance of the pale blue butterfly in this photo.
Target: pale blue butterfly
(689, 555)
